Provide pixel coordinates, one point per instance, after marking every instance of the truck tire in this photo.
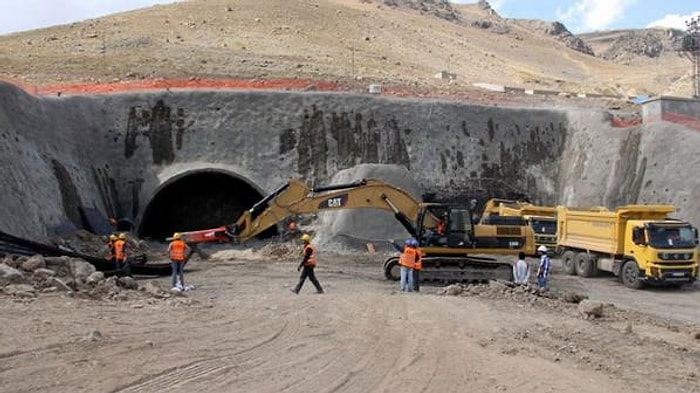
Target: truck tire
(585, 265)
(567, 261)
(392, 270)
(630, 275)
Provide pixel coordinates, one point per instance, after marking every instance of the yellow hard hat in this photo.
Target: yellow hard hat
(122, 236)
(306, 237)
(113, 237)
(177, 235)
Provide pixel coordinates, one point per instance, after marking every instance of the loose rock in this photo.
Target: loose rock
(590, 310)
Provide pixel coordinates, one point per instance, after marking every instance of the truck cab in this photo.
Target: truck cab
(664, 250)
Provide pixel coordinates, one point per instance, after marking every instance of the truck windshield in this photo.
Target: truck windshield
(663, 237)
(544, 226)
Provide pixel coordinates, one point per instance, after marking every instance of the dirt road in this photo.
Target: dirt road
(242, 330)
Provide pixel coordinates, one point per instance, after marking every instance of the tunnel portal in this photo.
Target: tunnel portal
(198, 200)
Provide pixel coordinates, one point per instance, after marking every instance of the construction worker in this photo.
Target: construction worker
(521, 270)
(544, 267)
(308, 263)
(110, 245)
(417, 266)
(407, 261)
(178, 251)
(120, 256)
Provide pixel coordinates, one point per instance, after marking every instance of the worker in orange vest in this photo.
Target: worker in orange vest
(417, 266)
(407, 261)
(178, 251)
(120, 256)
(308, 264)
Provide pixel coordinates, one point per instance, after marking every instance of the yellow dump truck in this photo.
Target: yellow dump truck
(542, 219)
(638, 243)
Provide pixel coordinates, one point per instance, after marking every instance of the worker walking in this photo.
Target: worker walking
(417, 266)
(544, 267)
(308, 264)
(521, 270)
(178, 251)
(121, 255)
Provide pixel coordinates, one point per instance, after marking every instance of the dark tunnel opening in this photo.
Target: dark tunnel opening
(200, 200)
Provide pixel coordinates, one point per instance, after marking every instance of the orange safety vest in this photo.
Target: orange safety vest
(311, 262)
(177, 250)
(418, 265)
(441, 228)
(119, 253)
(408, 257)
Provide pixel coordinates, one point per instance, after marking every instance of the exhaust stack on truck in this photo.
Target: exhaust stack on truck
(638, 243)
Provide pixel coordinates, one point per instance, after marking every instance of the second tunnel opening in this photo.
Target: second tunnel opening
(199, 200)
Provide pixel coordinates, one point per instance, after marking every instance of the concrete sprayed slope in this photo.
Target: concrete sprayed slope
(48, 164)
(119, 153)
(650, 164)
(356, 226)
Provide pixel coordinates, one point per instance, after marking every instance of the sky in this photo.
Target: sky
(579, 16)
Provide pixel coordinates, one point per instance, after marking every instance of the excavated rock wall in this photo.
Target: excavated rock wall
(113, 153)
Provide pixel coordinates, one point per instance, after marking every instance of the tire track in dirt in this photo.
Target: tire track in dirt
(284, 330)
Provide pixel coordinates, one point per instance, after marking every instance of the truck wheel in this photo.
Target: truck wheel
(392, 269)
(630, 275)
(585, 265)
(567, 261)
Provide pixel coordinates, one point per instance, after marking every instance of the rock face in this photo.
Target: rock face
(557, 30)
(120, 154)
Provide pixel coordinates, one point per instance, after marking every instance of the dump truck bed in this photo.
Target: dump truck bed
(601, 230)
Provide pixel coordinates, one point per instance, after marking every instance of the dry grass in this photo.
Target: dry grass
(318, 39)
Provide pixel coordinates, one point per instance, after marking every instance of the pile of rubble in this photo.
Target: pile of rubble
(25, 277)
(551, 298)
(286, 250)
(85, 242)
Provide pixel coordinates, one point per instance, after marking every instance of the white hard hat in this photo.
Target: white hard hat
(542, 248)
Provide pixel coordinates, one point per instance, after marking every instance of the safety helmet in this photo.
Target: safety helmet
(306, 237)
(414, 242)
(542, 248)
(177, 235)
(113, 237)
(122, 236)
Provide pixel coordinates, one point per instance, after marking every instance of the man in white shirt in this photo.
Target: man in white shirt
(521, 270)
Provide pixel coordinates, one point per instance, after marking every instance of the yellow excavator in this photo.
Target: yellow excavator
(449, 239)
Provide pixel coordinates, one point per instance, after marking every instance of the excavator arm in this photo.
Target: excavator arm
(296, 198)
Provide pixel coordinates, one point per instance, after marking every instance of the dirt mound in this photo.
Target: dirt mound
(286, 250)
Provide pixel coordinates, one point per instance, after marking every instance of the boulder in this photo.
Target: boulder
(60, 265)
(95, 278)
(453, 290)
(44, 272)
(127, 282)
(590, 310)
(81, 270)
(10, 275)
(33, 263)
(154, 290)
(20, 290)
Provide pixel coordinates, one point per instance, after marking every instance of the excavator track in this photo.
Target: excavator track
(467, 269)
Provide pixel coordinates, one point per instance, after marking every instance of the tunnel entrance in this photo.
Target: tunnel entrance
(200, 200)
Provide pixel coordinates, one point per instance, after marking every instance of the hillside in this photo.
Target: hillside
(402, 41)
